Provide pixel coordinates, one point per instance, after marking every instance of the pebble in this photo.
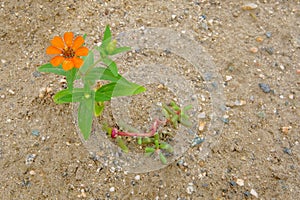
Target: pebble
(30, 158)
(268, 34)
(249, 6)
(240, 102)
(137, 177)
(11, 92)
(254, 193)
(112, 189)
(202, 115)
(240, 182)
(270, 50)
(247, 193)
(201, 125)
(32, 173)
(36, 74)
(190, 188)
(225, 119)
(287, 150)
(232, 183)
(253, 49)
(259, 39)
(265, 87)
(228, 78)
(35, 132)
(197, 140)
(285, 129)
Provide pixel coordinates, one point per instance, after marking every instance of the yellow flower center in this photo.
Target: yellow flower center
(68, 52)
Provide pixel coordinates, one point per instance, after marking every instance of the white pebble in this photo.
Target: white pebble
(137, 177)
(249, 6)
(112, 189)
(190, 189)
(228, 78)
(254, 193)
(240, 182)
(11, 91)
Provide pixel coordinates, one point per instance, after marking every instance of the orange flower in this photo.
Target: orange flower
(68, 51)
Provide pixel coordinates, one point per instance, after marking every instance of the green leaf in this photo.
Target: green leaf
(85, 116)
(162, 158)
(126, 88)
(122, 144)
(99, 107)
(70, 76)
(49, 68)
(107, 35)
(149, 150)
(107, 129)
(111, 65)
(67, 95)
(88, 62)
(120, 50)
(115, 89)
(104, 93)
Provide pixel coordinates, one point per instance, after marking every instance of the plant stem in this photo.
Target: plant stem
(116, 132)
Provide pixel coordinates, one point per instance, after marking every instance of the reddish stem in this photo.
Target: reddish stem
(115, 132)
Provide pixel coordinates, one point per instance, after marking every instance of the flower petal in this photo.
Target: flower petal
(77, 62)
(53, 50)
(57, 60)
(78, 42)
(67, 64)
(82, 51)
(58, 42)
(68, 37)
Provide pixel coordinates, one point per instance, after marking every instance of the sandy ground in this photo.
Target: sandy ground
(257, 155)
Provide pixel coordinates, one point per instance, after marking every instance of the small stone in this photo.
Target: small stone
(36, 74)
(30, 158)
(249, 6)
(253, 49)
(11, 92)
(259, 39)
(270, 50)
(49, 90)
(35, 132)
(240, 182)
(228, 78)
(137, 177)
(282, 67)
(112, 189)
(287, 150)
(196, 141)
(32, 173)
(254, 193)
(201, 126)
(240, 102)
(265, 87)
(247, 193)
(232, 183)
(190, 189)
(268, 34)
(285, 129)
(202, 115)
(291, 96)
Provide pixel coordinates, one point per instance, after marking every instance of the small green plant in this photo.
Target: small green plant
(152, 141)
(76, 62)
